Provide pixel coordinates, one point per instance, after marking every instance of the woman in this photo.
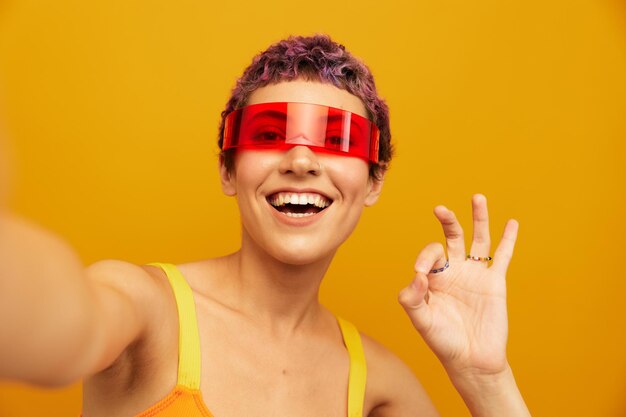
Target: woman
(305, 144)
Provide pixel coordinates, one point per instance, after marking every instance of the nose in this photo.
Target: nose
(301, 161)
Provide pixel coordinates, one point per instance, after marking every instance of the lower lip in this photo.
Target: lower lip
(297, 221)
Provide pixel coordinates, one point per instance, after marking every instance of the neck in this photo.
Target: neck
(279, 296)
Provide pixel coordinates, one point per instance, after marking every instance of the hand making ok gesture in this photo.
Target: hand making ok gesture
(458, 304)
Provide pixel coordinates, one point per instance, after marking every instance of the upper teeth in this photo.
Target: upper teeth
(280, 199)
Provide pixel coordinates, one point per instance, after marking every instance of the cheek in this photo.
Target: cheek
(350, 176)
(252, 166)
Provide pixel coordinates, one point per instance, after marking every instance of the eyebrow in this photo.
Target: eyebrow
(335, 118)
(353, 123)
(274, 114)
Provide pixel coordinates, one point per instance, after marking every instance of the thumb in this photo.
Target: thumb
(413, 300)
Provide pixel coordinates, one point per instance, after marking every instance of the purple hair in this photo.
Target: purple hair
(313, 58)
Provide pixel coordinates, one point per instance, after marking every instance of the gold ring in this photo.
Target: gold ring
(479, 258)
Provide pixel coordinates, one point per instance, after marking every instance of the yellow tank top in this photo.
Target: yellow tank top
(185, 400)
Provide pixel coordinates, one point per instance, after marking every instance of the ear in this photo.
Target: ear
(227, 179)
(375, 188)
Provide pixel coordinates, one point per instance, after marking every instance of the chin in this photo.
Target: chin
(301, 256)
(295, 247)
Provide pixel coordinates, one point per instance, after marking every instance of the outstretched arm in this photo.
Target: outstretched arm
(458, 305)
(60, 322)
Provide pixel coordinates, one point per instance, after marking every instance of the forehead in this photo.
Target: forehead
(302, 91)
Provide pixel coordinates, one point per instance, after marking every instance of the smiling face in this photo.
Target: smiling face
(296, 204)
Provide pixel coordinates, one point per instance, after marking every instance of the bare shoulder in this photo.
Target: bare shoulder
(128, 294)
(119, 273)
(140, 350)
(392, 388)
(141, 283)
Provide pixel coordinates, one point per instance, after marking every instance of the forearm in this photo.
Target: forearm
(44, 302)
(492, 395)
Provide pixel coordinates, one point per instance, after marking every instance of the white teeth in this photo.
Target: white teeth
(298, 214)
(280, 199)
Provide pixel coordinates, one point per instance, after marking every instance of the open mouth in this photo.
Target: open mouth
(299, 204)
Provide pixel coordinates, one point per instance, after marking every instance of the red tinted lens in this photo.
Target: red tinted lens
(264, 126)
(280, 125)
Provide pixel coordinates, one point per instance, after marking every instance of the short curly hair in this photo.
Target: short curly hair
(313, 58)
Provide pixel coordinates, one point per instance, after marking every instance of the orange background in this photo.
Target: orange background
(112, 109)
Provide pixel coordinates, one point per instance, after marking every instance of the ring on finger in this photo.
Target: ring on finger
(479, 258)
(443, 268)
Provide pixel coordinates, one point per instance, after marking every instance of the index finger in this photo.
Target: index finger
(453, 232)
